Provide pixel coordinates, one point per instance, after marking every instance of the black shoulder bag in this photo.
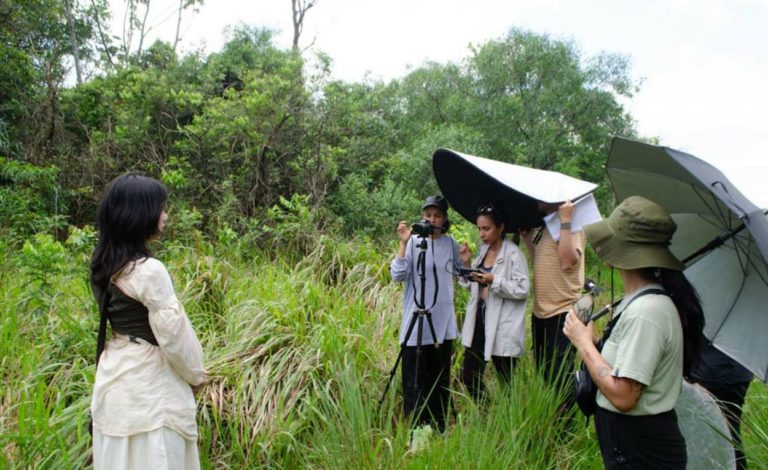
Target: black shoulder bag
(585, 387)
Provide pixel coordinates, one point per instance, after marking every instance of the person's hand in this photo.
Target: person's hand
(565, 212)
(482, 278)
(465, 254)
(576, 331)
(403, 231)
(196, 388)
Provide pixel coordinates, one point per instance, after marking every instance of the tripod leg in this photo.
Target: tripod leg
(391, 376)
(419, 399)
(408, 332)
(419, 333)
(431, 329)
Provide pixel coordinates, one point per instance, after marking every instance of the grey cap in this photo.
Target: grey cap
(436, 201)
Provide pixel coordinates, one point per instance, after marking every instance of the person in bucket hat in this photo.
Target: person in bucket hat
(654, 341)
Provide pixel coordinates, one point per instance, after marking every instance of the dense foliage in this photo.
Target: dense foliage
(234, 131)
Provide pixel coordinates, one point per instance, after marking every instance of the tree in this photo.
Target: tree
(37, 41)
(299, 9)
(183, 5)
(534, 100)
(73, 43)
(137, 25)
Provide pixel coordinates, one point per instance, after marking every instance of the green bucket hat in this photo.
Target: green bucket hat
(636, 235)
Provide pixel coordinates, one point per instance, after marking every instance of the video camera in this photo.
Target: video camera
(422, 228)
(585, 304)
(591, 287)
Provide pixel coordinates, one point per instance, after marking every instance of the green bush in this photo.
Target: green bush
(30, 200)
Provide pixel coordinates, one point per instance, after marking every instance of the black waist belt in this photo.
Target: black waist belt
(133, 335)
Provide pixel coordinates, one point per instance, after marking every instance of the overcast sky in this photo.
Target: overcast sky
(703, 63)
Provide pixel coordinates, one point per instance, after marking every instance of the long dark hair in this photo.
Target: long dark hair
(127, 218)
(688, 305)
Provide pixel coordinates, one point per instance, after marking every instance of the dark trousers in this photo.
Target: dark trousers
(730, 397)
(640, 442)
(426, 392)
(554, 354)
(473, 366)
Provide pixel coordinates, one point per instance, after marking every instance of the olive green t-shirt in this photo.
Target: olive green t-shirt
(646, 345)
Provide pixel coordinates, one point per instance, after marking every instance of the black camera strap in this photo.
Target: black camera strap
(421, 260)
(612, 323)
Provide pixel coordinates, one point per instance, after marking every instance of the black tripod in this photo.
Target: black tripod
(417, 318)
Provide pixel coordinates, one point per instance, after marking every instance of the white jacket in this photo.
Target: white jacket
(505, 306)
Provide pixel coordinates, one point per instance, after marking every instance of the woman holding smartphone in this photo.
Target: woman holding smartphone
(494, 326)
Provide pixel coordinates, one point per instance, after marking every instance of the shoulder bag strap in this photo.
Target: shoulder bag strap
(102, 336)
(609, 327)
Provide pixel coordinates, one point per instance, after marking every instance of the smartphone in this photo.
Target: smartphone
(466, 272)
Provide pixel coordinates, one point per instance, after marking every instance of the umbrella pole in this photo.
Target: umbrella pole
(715, 243)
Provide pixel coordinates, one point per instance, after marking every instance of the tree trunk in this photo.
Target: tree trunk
(130, 14)
(103, 38)
(178, 25)
(300, 8)
(143, 30)
(73, 40)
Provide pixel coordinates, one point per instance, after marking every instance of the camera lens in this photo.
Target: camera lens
(422, 228)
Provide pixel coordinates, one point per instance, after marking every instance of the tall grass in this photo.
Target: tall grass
(298, 354)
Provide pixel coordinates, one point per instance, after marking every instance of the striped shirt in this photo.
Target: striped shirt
(555, 290)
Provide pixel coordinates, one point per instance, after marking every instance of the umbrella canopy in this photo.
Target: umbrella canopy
(469, 182)
(721, 237)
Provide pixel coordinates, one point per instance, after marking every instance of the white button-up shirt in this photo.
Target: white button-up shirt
(141, 387)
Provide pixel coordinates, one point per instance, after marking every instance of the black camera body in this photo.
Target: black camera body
(591, 287)
(422, 228)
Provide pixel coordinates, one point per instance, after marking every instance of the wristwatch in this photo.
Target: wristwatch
(565, 226)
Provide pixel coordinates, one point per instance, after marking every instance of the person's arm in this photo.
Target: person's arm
(403, 235)
(399, 268)
(151, 285)
(465, 261)
(465, 255)
(568, 252)
(623, 392)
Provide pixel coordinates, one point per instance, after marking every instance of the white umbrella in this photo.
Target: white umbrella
(468, 182)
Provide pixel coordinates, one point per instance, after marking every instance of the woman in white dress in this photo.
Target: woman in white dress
(143, 406)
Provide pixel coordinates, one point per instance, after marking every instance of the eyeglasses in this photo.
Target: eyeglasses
(486, 209)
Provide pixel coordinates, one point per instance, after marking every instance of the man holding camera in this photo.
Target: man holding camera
(428, 288)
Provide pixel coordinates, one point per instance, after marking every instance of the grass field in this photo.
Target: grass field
(298, 352)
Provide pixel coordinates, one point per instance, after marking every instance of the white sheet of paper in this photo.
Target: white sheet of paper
(585, 212)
